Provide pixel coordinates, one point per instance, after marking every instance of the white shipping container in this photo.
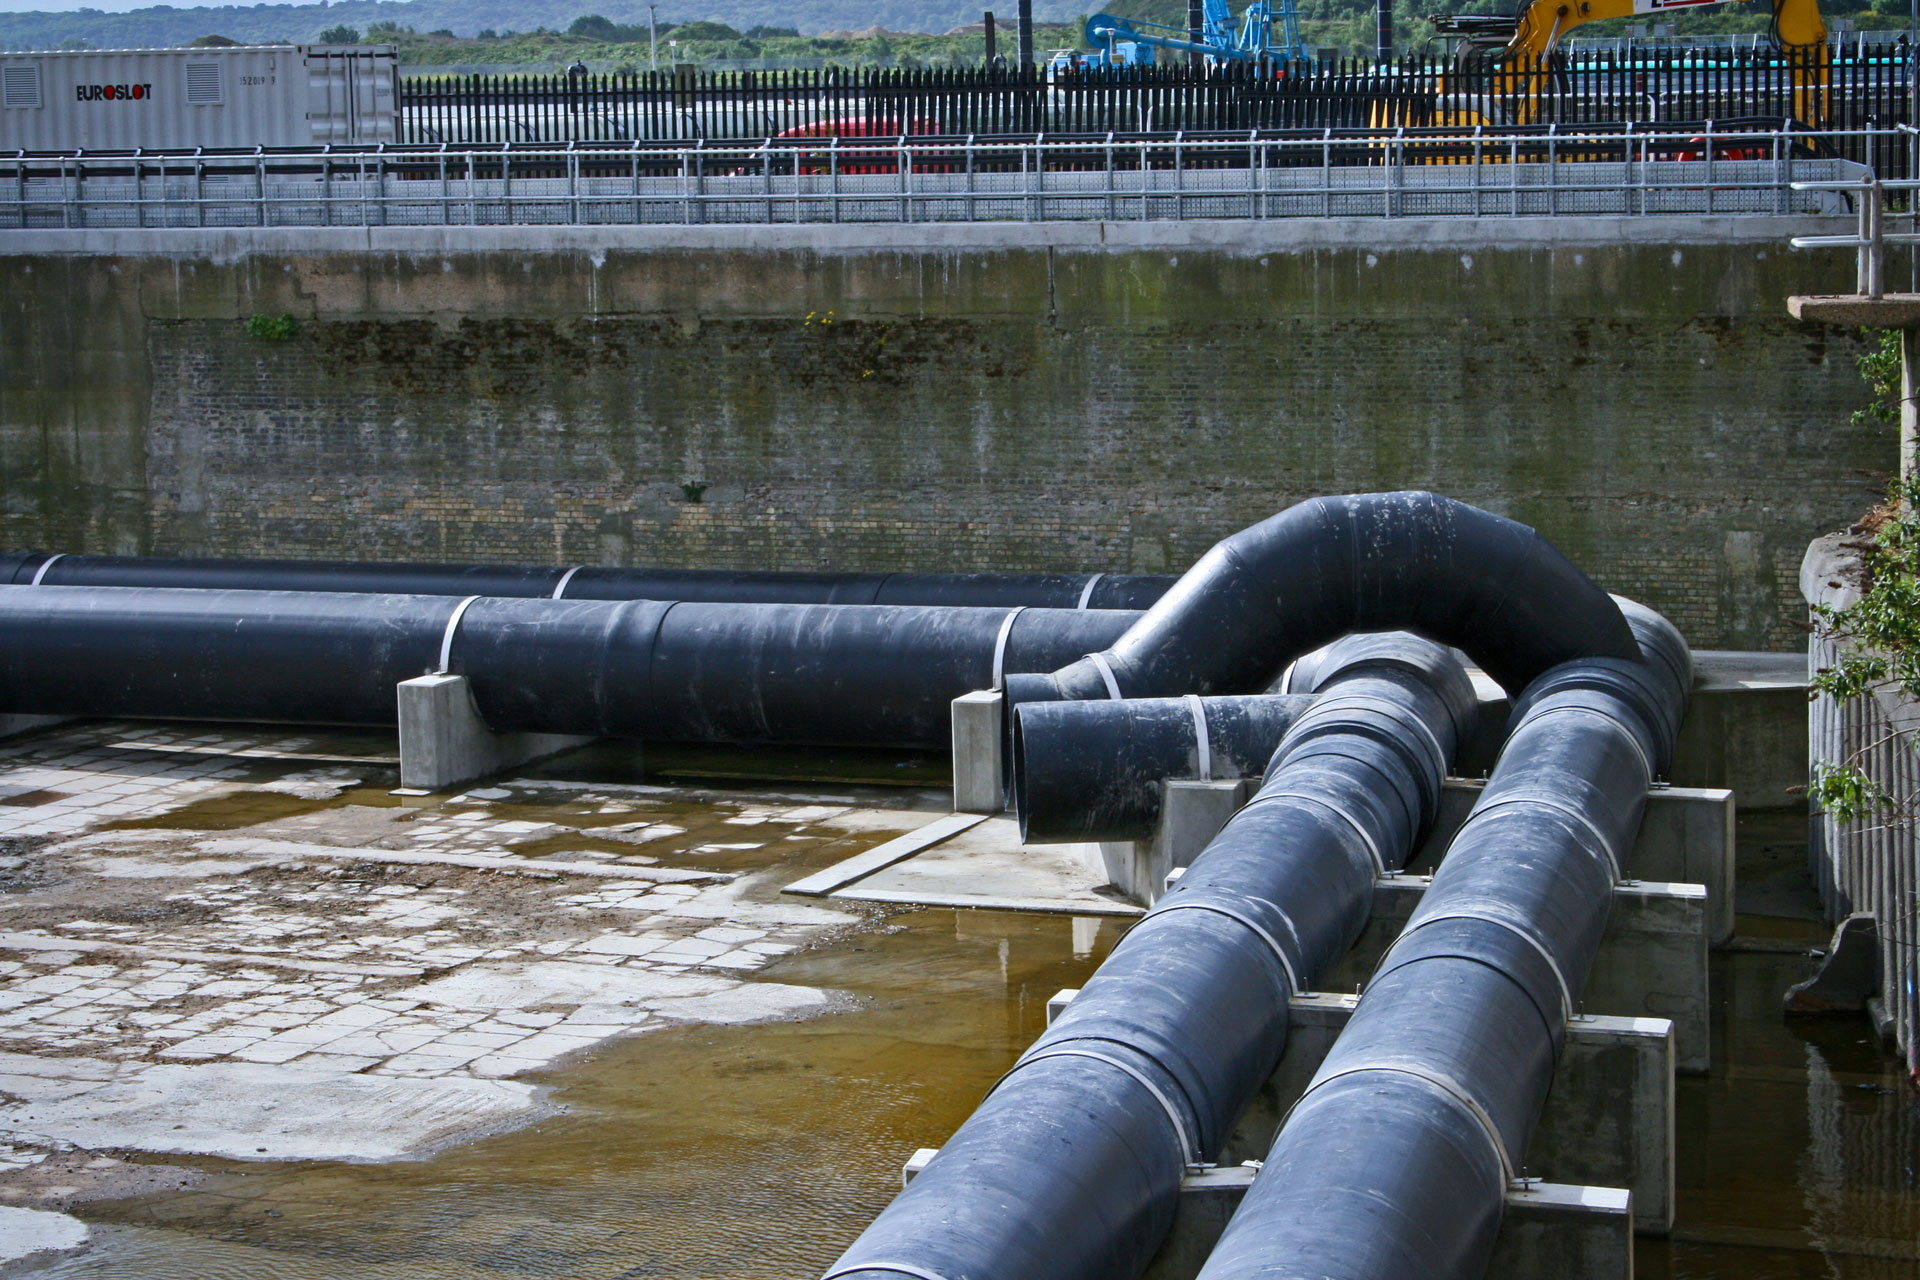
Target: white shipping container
(247, 96)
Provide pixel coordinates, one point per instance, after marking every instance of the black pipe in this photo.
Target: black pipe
(1071, 1167)
(1095, 770)
(1364, 562)
(879, 675)
(985, 590)
(1396, 1161)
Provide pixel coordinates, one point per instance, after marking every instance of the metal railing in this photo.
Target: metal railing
(1871, 240)
(1547, 172)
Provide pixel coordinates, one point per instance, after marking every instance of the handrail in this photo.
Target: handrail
(1321, 172)
(1872, 239)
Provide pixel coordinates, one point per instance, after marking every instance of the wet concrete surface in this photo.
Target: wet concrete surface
(691, 1147)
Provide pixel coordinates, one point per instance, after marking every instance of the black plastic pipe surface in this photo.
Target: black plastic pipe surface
(1096, 770)
(1396, 1161)
(828, 674)
(714, 586)
(1070, 1168)
(1332, 566)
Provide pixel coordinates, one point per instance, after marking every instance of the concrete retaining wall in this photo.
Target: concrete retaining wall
(1041, 397)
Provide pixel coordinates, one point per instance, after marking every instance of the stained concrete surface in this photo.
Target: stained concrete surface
(239, 944)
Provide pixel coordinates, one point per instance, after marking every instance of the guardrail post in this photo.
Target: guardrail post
(1872, 261)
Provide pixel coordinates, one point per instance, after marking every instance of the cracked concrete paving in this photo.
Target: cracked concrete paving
(236, 943)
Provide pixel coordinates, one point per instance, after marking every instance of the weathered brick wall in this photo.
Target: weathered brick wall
(1651, 408)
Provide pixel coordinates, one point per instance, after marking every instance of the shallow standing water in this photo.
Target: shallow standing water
(760, 1151)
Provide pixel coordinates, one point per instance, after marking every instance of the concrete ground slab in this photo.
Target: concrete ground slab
(986, 866)
(25, 1233)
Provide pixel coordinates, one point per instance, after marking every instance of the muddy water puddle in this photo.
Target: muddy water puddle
(756, 1151)
(761, 1150)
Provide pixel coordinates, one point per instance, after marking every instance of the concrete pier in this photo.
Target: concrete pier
(444, 742)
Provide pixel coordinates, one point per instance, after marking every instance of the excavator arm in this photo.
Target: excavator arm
(1798, 32)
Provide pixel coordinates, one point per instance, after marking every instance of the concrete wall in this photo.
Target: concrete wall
(1044, 397)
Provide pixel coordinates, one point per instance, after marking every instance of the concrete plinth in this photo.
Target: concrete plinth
(1609, 1118)
(1549, 1231)
(444, 742)
(1652, 961)
(12, 725)
(979, 752)
(1191, 815)
(1686, 836)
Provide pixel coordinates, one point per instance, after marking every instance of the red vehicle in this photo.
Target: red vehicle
(861, 159)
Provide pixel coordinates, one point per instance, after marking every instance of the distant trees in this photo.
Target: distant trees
(594, 27)
(342, 34)
(772, 33)
(213, 42)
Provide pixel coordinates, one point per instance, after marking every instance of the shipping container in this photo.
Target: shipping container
(244, 96)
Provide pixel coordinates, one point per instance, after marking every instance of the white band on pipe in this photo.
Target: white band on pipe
(1000, 647)
(1566, 811)
(1106, 673)
(1390, 712)
(560, 587)
(1273, 944)
(897, 1268)
(1447, 1086)
(446, 637)
(1086, 592)
(1201, 742)
(1189, 1152)
(45, 565)
(1498, 922)
(1597, 713)
(1320, 802)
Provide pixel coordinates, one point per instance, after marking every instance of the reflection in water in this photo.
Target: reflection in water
(750, 1153)
(702, 1152)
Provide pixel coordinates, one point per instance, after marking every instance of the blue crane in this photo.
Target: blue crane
(1265, 33)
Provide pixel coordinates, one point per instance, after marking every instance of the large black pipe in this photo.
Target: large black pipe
(1364, 562)
(829, 674)
(1096, 770)
(719, 586)
(1070, 1168)
(1396, 1161)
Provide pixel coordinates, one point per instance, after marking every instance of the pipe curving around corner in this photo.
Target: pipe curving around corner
(827, 674)
(586, 582)
(1410, 561)
(1396, 1160)
(1071, 1166)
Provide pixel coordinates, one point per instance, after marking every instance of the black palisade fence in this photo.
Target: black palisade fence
(1854, 86)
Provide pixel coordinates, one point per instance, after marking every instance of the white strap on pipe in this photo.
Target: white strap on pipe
(897, 1268)
(1498, 922)
(1106, 673)
(560, 587)
(1189, 1152)
(1086, 592)
(1000, 647)
(1201, 742)
(1567, 811)
(1446, 1085)
(1598, 714)
(1320, 802)
(446, 637)
(1273, 944)
(45, 565)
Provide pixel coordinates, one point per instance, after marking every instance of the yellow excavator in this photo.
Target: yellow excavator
(1504, 67)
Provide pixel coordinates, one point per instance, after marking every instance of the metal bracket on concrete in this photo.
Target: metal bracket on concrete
(1549, 1231)
(979, 752)
(444, 742)
(1652, 960)
(1686, 836)
(1609, 1118)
